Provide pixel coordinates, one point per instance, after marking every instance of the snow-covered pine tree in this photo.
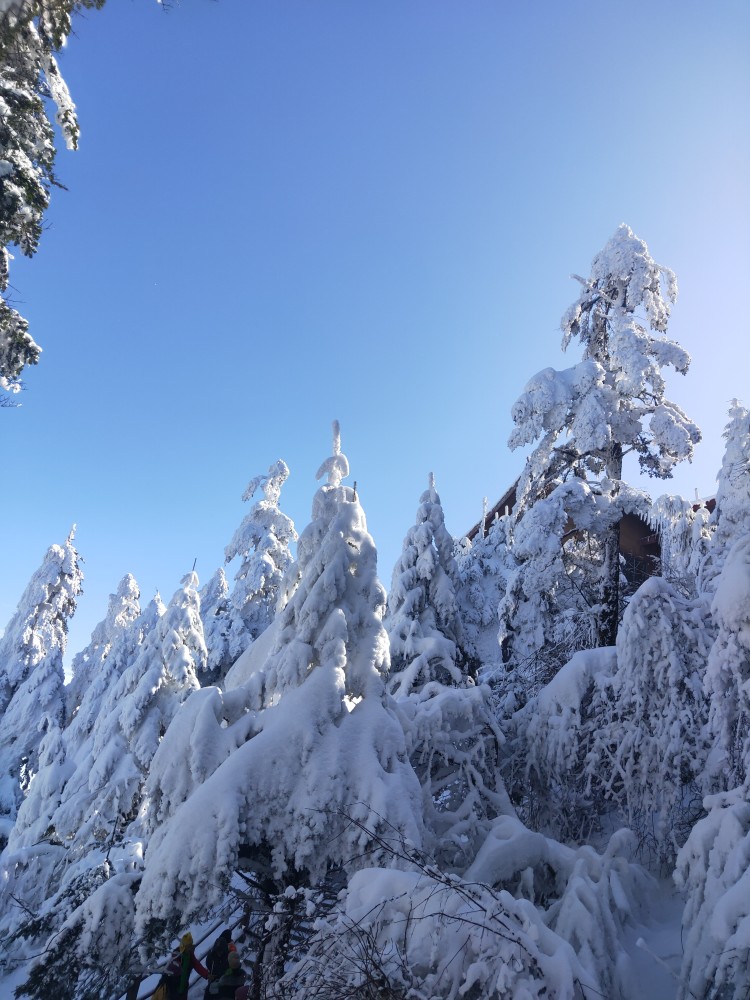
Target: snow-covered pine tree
(88, 665)
(262, 544)
(728, 670)
(731, 516)
(423, 623)
(99, 820)
(613, 402)
(713, 868)
(215, 609)
(549, 607)
(451, 734)
(685, 533)
(325, 747)
(30, 32)
(31, 672)
(550, 738)
(484, 566)
(105, 791)
(649, 749)
(36, 857)
(47, 872)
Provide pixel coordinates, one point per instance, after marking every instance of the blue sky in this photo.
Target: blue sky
(288, 212)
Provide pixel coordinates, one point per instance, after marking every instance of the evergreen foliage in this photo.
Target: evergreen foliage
(262, 544)
(31, 682)
(318, 740)
(31, 31)
(587, 418)
(649, 751)
(333, 768)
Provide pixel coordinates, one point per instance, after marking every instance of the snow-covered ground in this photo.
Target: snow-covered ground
(655, 948)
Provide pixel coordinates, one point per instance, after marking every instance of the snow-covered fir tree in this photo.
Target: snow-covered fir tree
(262, 544)
(423, 623)
(587, 418)
(31, 672)
(452, 738)
(105, 791)
(96, 833)
(345, 786)
(713, 868)
(216, 624)
(30, 33)
(550, 738)
(549, 608)
(323, 771)
(484, 566)
(49, 871)
(88, 665)
(728, 669)
(650, 749)
(731, 517)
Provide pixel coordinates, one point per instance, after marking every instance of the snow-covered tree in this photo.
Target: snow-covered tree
(731, 517)
(31, 671)
(421, 934)
(423, 623)
(650, 750)
(30, 32)
(88, 665)
(262, 544)
(90, 858)
(713, 868)
(325, 757)
(550, 738)
(685, 534)
(484, 566)
(104, 793)
(452, 738)
(550, 606)
(37, 850)
(587, 418)
(215, 612)
(713, 872)
(728, 669)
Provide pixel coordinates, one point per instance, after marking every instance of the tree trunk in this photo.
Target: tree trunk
(133, 989)
(609, 617)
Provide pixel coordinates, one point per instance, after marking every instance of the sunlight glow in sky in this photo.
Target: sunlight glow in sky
(286, 213)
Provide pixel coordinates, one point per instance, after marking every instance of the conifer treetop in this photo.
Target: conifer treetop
(337, 465)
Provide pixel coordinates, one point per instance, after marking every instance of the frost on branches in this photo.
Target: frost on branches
(588, 417)
(322, 746)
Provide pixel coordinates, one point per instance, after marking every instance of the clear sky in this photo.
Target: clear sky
(285, 212)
